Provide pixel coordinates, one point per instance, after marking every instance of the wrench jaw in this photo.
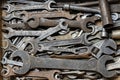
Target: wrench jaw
(101, 66)
(50, 3)
(7, 71)
(33, 22)
(111, 47)
(25, 59)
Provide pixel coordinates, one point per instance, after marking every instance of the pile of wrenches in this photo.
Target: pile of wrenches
(61, 40)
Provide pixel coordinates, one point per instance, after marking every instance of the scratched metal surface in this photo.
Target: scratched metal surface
(3, 1)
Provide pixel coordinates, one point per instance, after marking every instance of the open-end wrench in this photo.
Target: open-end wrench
(24, 2)
(53, 45)
(41, 14)
(115, 65)
(41, 74)
(61, 26)
(44, 6)
(93, 64)
(82, 23)
(36, 22)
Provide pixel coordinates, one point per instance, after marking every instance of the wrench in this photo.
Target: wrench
(106, 46)
(43, 14)
(115, 65)
(82, 23)
(43, 34)
(25, 2)
(93, 64)
(115, 16)
(44, 74)
(44, 6)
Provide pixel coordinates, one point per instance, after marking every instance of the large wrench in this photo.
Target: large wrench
(31, 62)
(44, 6)
(61, 26)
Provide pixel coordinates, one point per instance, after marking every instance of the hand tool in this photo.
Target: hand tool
(41, 14)
(11, 32)
(41, 74)
(31, 62)
(44, 6)
(35, 22)
(106, 15)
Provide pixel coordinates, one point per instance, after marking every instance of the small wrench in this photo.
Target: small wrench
(44, 6)
(41, 74)
(93, 64)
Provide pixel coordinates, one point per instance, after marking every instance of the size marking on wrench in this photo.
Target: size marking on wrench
(44, 6)
(31, 62)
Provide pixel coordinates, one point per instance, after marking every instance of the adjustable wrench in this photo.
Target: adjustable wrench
(93, 64)
(44, 6)
(11, 32)
(41, 74)
(106, 46)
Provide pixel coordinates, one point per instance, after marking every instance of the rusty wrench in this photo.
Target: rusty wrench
(93, 64)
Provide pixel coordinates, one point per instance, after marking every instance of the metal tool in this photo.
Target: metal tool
(41, 74)
(81, 9)
(44, 6)
(40, 14)
(82, 23)
(115, 65)
(115, 16)
(30, 62)
(35, 22)
(106, 46)
(105, 12)
(61, 26)
(115, 34)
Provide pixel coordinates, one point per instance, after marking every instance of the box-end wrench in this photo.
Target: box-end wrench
(11, 32)
(41, 74)
(44, 6)
(93, 64)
